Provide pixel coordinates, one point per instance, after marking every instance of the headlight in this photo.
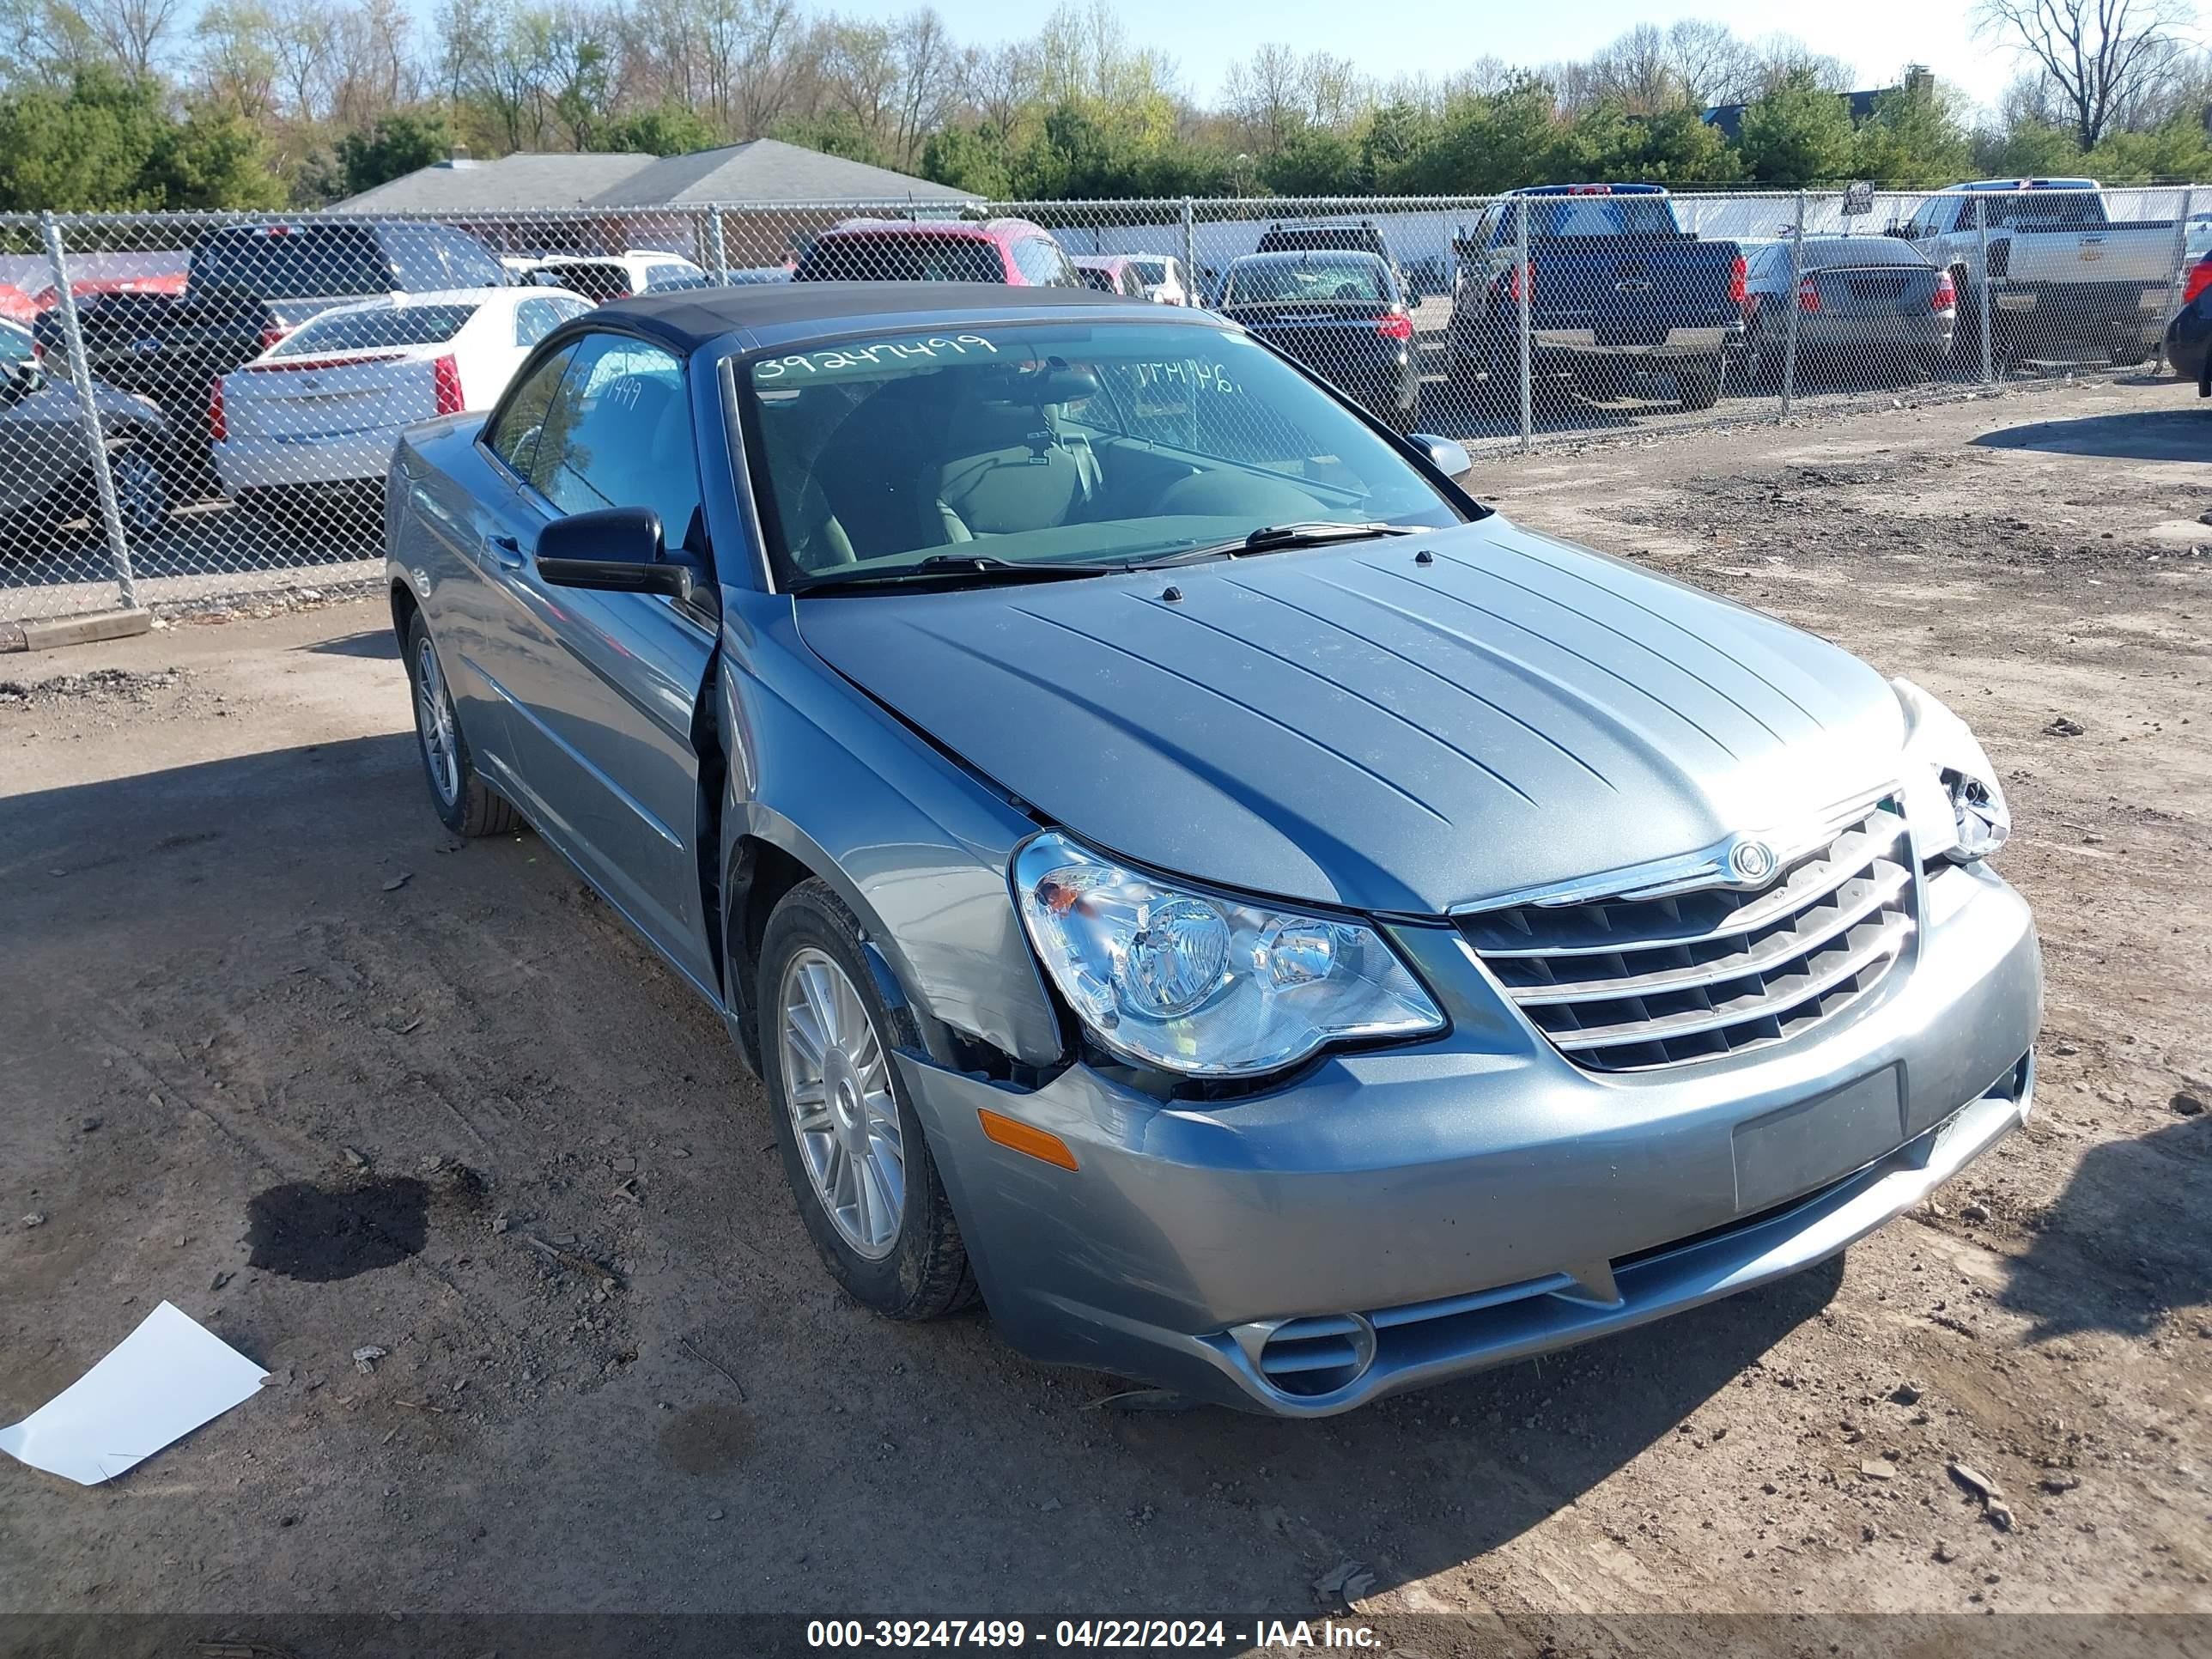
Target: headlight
(1952, 799)
(1193, 982)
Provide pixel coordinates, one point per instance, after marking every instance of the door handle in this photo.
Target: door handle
(506, 551)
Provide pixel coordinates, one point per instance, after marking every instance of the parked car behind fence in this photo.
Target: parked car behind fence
(321, 409)
(1599, 329)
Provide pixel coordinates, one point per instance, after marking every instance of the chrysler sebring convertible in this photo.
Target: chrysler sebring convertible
(1187, 874)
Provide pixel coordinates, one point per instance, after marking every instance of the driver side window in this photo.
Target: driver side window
(619, 434)
(521, 420)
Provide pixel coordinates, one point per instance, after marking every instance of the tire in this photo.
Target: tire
(1698, 385)
(465, 804)
(141, 490)
(2131, 354)
(1967, 337)
(899, 1254)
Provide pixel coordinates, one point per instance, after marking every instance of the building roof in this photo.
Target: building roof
(513, 183)
(763, 170)
(770, 170)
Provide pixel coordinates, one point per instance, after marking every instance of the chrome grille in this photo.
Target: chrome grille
(1627, 983)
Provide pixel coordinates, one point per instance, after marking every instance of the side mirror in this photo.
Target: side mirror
(1445, 455)
(616, 550)
(19, 379)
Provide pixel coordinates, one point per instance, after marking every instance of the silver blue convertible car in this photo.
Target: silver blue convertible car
(1186, 872)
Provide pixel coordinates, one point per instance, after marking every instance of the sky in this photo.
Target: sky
(1878, 36)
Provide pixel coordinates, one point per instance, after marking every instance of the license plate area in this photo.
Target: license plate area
(1808, 1145)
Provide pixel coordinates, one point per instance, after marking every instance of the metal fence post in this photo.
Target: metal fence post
(2180, 279)
(1524, 279)
(119, 550)
(1191, 295)
(1982, 281)
(1797, 279)
(717, 253)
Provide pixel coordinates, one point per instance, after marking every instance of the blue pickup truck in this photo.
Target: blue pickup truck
(1617, 291)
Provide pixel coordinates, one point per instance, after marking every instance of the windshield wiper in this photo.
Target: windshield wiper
(1270, 537)
(974, 566)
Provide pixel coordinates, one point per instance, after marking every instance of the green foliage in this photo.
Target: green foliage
(396, 146)
(1316, 161)
(1799, 134)
(669, 130)
(1911, 140)
(2176, 151)
(215, 158)
(1490, 142)
(2029, 150)
(1674, 147)
(835, 133)
(969, 157)
(86, 146)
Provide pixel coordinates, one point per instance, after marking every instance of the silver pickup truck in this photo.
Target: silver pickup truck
(2062, 274)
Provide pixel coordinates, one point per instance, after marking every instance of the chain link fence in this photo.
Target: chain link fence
(199, 408)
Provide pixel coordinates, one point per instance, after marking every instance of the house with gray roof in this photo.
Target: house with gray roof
(538, 203)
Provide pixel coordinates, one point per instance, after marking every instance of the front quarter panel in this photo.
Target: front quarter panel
(915, 844)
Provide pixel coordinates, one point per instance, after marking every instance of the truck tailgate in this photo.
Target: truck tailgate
(2108, 253)
(1632, 290)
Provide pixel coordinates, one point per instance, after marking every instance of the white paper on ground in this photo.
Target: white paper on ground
(158, 1384)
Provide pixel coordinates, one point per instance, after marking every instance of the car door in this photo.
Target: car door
(601, 687)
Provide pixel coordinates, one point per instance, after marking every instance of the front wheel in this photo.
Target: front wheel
(142, 491)
(853, 1148)
(466, 805)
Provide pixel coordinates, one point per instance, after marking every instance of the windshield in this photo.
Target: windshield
(1097, 443)
(901, 257)
(1599, 215)
(1152, 271)
(1304, 278)
(386, 326)
(293, 262)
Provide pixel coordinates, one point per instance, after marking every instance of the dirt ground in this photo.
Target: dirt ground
(243, 969)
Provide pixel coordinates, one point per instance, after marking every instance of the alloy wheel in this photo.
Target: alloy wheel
(433, 720)
(838, 1088)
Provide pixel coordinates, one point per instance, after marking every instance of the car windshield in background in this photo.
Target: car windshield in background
(1310, 277)
(361, 331)
(1079, 445)
(292, 261)
(1152, 271)
(895, 258)
(1596, 216)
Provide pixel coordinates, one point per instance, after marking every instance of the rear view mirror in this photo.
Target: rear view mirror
(1446, 455)
(616, 550)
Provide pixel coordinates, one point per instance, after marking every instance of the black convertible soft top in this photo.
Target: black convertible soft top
(690, 317)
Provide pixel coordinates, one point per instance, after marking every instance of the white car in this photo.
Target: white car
(605, 277)
(324, 405)
(1165, 280)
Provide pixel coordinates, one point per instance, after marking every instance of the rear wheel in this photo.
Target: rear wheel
(466, 804)
(1698, 385)
(868, 1189)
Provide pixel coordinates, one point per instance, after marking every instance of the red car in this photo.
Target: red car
(1010, 251)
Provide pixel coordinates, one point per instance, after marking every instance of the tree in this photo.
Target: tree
(670, 129)
(969, 156)
(2176, 150)
(1913, 136)
(1799, 134)
(85, 149)
(397, 145)
(2097, 55)
(215, 158)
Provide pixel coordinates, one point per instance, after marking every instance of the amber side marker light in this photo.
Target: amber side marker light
(1023, 1139)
